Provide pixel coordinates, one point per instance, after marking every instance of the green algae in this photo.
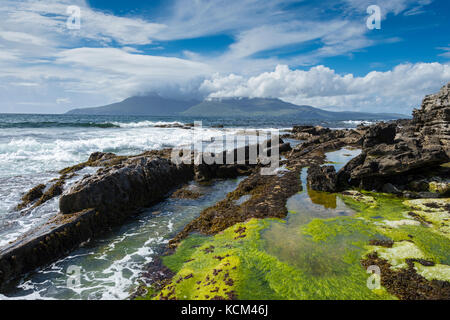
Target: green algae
(331, 229)
(257, 274)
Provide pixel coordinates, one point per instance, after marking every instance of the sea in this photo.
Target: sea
(33, 148)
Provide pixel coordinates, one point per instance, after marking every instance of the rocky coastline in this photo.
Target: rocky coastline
(405, 159)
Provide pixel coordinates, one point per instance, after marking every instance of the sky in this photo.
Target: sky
(308, 52)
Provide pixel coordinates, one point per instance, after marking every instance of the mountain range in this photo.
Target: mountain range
(155, 105)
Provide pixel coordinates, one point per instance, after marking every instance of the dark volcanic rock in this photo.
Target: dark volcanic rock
(139, 182)
(91, 207)
(98, 156)
(307, 132)
(395, 152)
(322, 178)
(381, 133)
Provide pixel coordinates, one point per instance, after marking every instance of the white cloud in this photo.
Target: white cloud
(23, 38)
(446, 53)
(63, 100)
(408, 7)
(49, 17)
(398, 90)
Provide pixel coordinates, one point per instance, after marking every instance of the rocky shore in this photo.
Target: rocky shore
(406, 158)
(121, 187)
(397, 189)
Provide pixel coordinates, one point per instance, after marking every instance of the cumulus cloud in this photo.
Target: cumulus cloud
(398, 90)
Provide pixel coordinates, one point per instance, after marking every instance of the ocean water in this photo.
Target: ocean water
(33, 148)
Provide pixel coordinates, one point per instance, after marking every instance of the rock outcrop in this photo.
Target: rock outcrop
(136, 183)
(307, 132)
(395, 154)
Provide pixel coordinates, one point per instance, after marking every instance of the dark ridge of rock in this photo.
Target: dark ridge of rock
(307, 132)
(139, 182)
(47, 243)
(243, 163)
(330, 141)
(322, 178)
(419, 144)
(91, 207)
(268, 199)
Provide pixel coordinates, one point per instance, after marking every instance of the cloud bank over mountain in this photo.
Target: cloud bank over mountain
(396, 90)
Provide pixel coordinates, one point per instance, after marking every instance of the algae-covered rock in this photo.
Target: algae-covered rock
(442, 188)
(235, 264)
(32, 195)
(399, 223)
(434, 211)
(399, 252)
(359, 197)
(435, 272)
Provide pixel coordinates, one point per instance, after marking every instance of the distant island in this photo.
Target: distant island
(155, 105)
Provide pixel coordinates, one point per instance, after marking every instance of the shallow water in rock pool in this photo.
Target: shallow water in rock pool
(284, 239)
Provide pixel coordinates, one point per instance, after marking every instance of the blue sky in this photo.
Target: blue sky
(319, 53)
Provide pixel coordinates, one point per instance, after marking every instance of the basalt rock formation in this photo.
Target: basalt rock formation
(138, 182)
(403, 152)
